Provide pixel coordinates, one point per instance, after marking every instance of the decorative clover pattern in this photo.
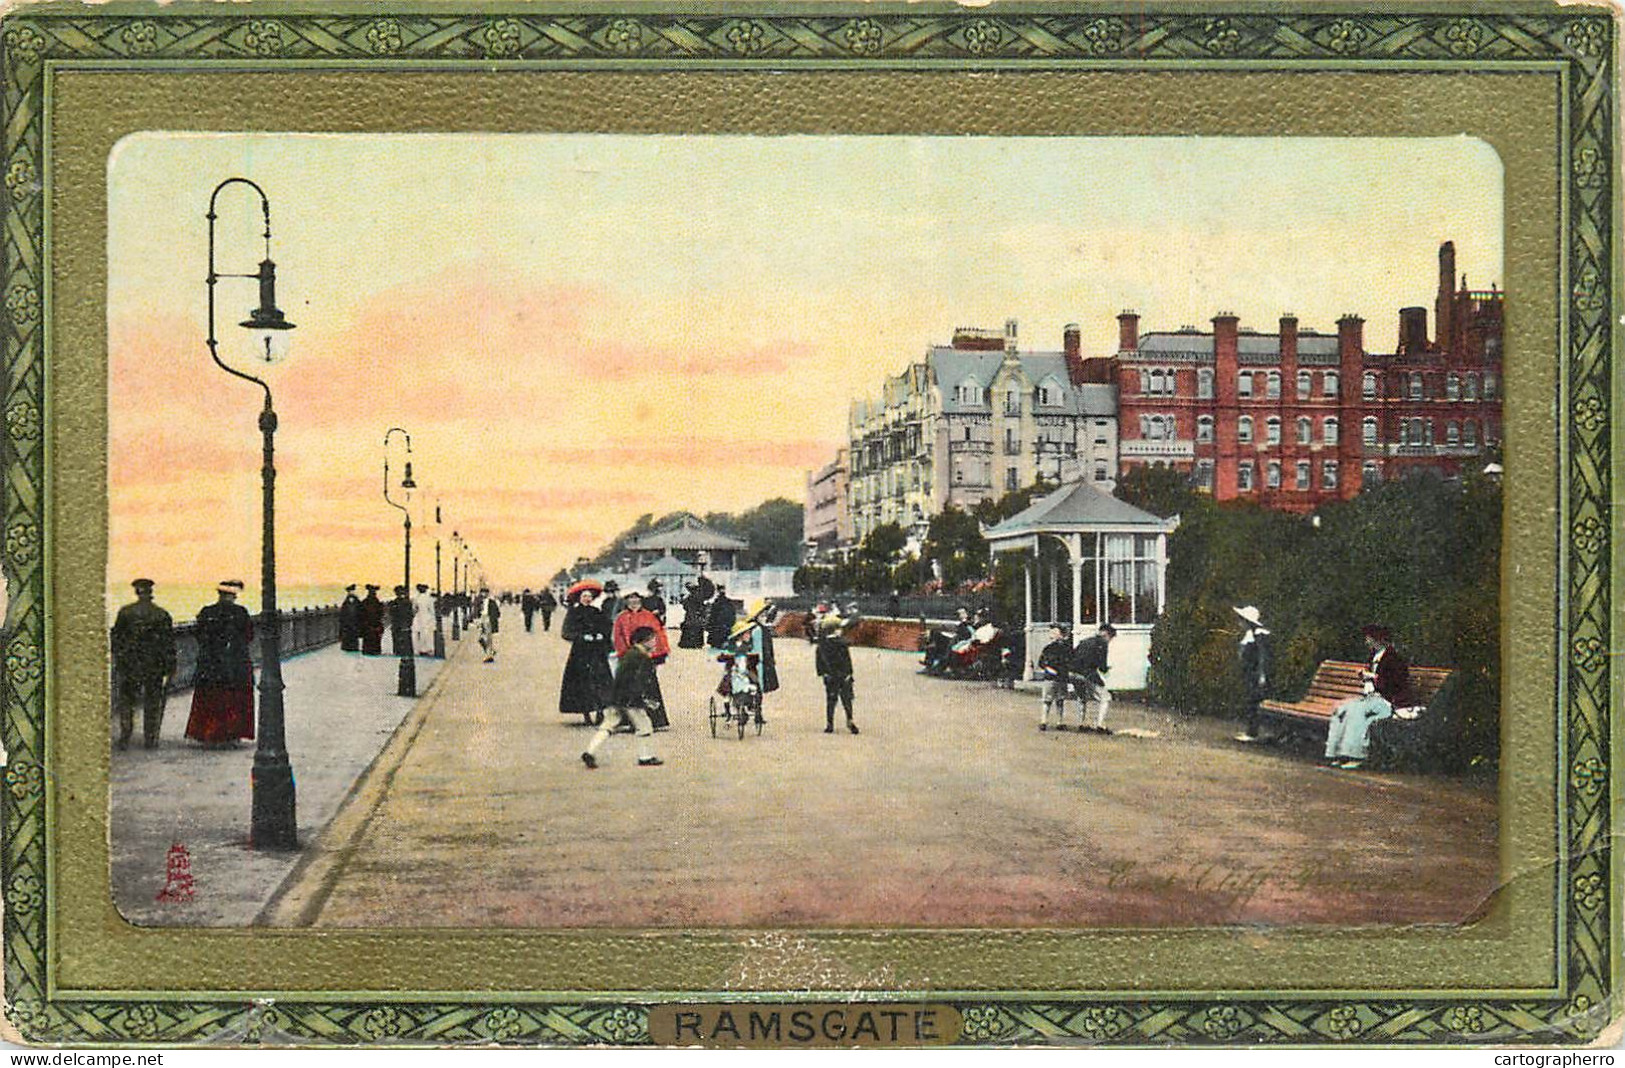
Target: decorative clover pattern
(1582, 41)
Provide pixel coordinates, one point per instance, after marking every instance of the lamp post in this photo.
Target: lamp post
(274, 824)
(439, 631)
(456, 588)
(408, 686)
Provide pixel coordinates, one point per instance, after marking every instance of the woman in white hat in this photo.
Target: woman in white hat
(223, 685)
(1256, 656)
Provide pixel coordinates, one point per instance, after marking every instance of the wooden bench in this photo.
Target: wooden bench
(1337, 681)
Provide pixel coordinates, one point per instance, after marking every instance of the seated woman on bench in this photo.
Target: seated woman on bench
(1387, 687)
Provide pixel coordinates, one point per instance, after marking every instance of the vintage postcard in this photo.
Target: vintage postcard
(810, 526)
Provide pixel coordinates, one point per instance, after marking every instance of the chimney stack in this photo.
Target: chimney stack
(1413, 331)
(1289, 337)
(1128, 331)
(1444, 305)
(1010, 337)
(1072, 347)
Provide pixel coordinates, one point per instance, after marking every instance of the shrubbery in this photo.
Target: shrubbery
(1421, 556)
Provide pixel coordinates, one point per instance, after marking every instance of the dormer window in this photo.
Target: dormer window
(969, 392)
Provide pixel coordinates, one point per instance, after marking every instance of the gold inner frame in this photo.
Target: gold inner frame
(90, 107)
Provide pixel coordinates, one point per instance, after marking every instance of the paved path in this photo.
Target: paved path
(950, 809)
(341, 709)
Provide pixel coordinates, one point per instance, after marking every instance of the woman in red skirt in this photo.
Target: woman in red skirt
(223, 688)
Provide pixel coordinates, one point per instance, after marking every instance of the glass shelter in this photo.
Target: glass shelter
(1091, 559)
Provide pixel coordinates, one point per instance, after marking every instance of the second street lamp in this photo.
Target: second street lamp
(409, 670)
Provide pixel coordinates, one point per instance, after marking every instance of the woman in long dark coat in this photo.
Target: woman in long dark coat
(720, 620)
(223, 687)
(692, 634)
(587, 683)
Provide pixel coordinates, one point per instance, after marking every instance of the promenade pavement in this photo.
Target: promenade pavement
(341, 708)
(951, 808)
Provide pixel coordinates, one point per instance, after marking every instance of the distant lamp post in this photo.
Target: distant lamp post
(409, 669)
(439, 631)
(274, 824)
(456, 588)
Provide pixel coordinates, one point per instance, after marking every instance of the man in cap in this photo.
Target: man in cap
(1088, 674)
(400, 622)
(546, 604)
(527, 605)
(1256, 657)
(372, 623)
(656, 603)
(350, 621)
(144, 661)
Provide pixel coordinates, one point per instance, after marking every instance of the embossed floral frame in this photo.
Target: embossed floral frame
(1575, 47)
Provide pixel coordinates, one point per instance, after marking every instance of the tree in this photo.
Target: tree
(955, 544)
(1162, 491)
(884, 544)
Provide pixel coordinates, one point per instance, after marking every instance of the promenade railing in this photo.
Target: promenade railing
(303, 630)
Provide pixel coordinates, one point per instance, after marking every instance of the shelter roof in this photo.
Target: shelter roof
(687, 532)
(1076, 506)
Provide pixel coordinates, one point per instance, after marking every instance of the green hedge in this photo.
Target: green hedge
(1421, 556)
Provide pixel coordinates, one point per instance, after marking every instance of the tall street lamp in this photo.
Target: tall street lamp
(274, 825)
(439, 631)
(409, 670)
(456, 585)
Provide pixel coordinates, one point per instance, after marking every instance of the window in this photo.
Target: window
(1452, 386)
(967, 433)
(1012, 442)
(1370, 473)
(1204, 383)
(1272, 385)
(1100, 472)
(1145, 380)
(1329, 384)
(1303, 430)
(959, 476)
(1244, 430)
(1272, 430)
(1010, 482)
(1416, 385)
(1272, 475)
(1328, 474)
(1244, 477)
(1303, 475)
(1368, 430)
(1489, 385)
(1204, 429)
(1204, 474)
(1304, 384)
(1427, 430)
(970, 392)
(1133, 577)
(1368, 385)
(1244, 384)
(1012, 403)
(1469, 433)
(1472, 385)
(1329, 430)
(1452, 433)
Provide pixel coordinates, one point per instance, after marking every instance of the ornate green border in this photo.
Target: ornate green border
(1582, 41)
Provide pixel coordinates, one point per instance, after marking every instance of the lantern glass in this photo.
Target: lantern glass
(268, 346)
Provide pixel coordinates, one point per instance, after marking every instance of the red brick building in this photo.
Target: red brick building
(1298, 417)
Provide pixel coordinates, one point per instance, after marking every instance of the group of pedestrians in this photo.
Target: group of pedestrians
(1082, 670)
(532, 603)
(145, 662)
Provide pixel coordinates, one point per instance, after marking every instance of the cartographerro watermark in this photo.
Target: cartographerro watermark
(1553, 1060)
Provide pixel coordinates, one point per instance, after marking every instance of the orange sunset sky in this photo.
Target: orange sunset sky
(579, 329)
